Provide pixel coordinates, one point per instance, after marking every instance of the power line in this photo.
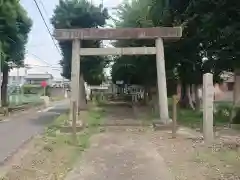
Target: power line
(49, 32)
(44, 8)
(31, 53)
(35, 65)
(49, 65)
(38, 58)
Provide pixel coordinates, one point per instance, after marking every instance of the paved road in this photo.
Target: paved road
(17, 130)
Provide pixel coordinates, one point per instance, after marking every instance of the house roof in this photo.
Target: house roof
(39, 76)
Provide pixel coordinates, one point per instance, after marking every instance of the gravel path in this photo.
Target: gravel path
(121, 155)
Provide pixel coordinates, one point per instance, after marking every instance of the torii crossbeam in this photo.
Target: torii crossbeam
(157, 33)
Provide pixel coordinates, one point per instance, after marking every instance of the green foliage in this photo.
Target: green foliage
(209, 32)
(14, 28)
(36, 89)
(81, 14)
(95, 117)
(236, 119)
(134, 69)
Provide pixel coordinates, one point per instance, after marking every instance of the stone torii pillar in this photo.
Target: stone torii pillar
(161, 81)
(75, 76)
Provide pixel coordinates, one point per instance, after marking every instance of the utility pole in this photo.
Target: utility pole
(18, 87)
(63, 84)
(1, 74)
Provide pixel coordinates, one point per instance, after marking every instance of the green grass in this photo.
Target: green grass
(94, 117)
(25, 99)
(57, 98)
(189, 118)
(54, 141)
(194, 118)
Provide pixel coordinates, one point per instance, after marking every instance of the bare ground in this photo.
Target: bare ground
(140, 153)
(121, 156)
(189, 158)
(130, 153)
(45, 159)
(143, 154)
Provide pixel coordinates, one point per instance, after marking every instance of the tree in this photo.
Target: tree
(141, 69)
(210, 29)
(209, 42)
(80, 14)
(14, 28)
(135, 14)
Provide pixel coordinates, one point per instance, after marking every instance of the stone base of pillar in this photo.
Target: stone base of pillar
(162, 121)
(83, 116)
(162, 124)
(69, 123)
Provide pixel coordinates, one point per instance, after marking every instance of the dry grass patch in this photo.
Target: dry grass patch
(190, 159)
(222, 163)
(51, 160)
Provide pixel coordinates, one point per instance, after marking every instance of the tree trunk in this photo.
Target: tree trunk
(82, 102)
(189, 94)
(154, 102)
(178, 90)
(197, 98)
(184, 101)
(146, 95)
(193, 93)
(150, 94)
(236, 94)
(4, 87)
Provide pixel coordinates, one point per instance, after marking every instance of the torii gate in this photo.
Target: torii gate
(157, 33)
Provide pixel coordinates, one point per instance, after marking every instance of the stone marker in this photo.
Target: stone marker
(65, 94)
(46, 100)
(208, 93)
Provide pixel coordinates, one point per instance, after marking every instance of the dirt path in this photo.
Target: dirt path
(118, 156)
(139, 153)
(135, 154)
(121, 153)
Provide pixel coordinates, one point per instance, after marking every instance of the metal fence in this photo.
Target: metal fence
(16, 97)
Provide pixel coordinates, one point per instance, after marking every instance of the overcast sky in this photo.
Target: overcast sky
(40, 48)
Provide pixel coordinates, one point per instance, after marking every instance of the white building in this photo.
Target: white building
(25, 76)
(38, 78)
(35, 72)
(17, 76)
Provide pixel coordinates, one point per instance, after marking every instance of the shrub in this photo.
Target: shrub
(35, 89)
(236, 119)
(222, 113)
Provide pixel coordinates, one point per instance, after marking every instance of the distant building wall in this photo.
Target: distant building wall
(16, 80)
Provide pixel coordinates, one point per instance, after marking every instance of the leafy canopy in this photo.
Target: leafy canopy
(80, 14)
(209, 43)
(14, 28)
